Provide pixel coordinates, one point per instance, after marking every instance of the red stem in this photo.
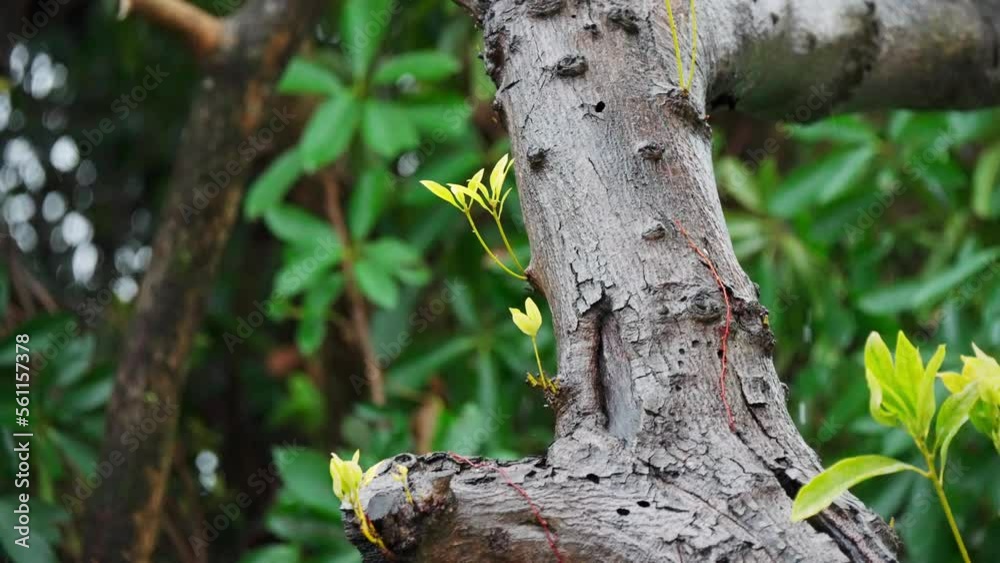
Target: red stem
(550, 536)
(729, 321)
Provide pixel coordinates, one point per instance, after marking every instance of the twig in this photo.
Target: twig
(359, 312)
(204, 31)
(729, 321)
(550, 536)
(37, 288)
(184, 551)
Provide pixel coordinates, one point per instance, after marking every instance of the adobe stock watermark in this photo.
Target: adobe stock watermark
(257, 484)
(122, 107)
(130, 440)
(246, 152)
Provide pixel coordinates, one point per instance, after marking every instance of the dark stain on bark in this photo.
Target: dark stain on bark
(544, 8)
(624, 18)
(651, 150)
(655, 232)
(536, 157)
(571, 65)
(859, 58)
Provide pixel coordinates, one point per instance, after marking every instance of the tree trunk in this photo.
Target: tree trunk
(231, 107)
(614, 165)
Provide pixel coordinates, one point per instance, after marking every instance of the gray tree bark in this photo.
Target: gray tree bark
(612, 156)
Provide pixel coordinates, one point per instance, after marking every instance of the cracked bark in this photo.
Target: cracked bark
(644, 466)
(232, 103)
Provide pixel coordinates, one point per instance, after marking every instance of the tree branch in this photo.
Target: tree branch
(205, 188)
(359, 312)
(204, 31)
(800, 60)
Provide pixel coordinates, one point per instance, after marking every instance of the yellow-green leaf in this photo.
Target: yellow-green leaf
(926, 401)
(830, 484)
(954, 413)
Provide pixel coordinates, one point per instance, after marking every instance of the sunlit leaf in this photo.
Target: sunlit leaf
(954, 413)
(823, 489)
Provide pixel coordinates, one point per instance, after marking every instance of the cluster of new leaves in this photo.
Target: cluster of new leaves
(902, 394)
(978, 383)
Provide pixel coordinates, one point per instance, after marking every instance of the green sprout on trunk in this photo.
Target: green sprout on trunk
(490, 199)
(902, 395)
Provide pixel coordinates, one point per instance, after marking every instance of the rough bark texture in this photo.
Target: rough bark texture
(232, 103)
(611, 154)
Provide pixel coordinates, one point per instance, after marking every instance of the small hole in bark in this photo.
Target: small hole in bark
(599, 107)
(643, 503)
(719, 353)
(680, 363)
(695, 343)
(677, 388)
(593, 478)
(623, 512)
(681, 351)
(530, 473)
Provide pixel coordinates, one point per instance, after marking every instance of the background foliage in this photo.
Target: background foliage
(849, 225)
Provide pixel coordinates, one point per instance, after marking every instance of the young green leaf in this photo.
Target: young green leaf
(296, 225)
(363, 24)
(329, 132)
(887, 404)
(984, 182)
(387, 129)
(913, 294)
(399, 258)
(422, 65)
(909, 378)
(304, 265)
(954, 413)
(270, 187)
(391, 253)
(823, 181)
(845, 129)
(737, 180)
(303, 76)
(824, 488)
(367, 201)
(926, 399)
(315, 310)
(376, 283)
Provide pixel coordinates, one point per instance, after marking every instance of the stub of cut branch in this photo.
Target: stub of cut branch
(202, 30)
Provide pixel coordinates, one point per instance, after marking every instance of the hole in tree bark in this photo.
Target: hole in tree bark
(599, 107)
(623, 511)
(643, 503)
(593, 478)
